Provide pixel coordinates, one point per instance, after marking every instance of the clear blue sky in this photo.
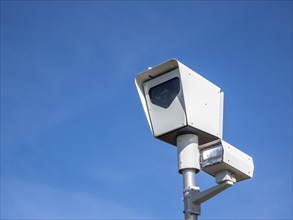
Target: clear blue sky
(75, 142)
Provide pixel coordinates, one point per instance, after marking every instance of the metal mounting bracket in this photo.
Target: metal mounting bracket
(200, 197)
(193, 197)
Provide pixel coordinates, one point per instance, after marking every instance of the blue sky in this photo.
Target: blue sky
(75, 142)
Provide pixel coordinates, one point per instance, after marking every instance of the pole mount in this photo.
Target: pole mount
(200, 197)
(193, 197)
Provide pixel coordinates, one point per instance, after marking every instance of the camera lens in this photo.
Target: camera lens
(164, 93)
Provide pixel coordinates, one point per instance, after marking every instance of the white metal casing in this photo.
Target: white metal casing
(197, 109)
(188, 152)
(235, 161)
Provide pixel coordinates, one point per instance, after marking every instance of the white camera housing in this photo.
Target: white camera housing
(177, 100)
(219, 156)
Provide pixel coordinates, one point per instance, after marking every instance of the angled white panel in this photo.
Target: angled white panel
(238, 160)
(204, 102)
(149, 75)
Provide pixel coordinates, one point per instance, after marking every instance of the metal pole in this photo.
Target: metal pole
(188, 165)
(188, 182)
(188, 178)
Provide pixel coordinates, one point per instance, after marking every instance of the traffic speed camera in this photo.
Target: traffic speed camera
(186, 110)
(177, 100)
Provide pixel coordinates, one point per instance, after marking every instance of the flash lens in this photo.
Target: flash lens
(211, 156)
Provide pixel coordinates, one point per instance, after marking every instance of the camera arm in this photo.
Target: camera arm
(200, 197)
(193, 197)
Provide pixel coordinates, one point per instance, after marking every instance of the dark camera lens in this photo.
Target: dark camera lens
(164, 93)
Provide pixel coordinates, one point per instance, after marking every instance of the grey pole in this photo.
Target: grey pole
(188, 166)
(188, 182)
(188, 178)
